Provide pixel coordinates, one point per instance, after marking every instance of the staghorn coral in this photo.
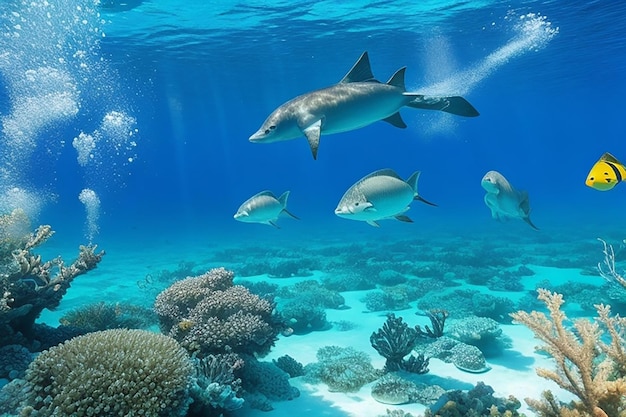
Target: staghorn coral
(113, 373)
(586, 366)
(207, 314)
(28, 285)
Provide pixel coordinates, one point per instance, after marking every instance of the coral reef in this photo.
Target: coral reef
(105, 373)
(479, 401)
(312, 292)
(590, 359)
(265, 382)
(28, 285)
(207, 314)
(14, 359)
(394, 341)
(387, 299)
(303, 305)
(391, 389)
(482, 332)
(437, 319)
(289, 365)
(342, 369)
(466, 357)
(303, 317)
(103, 316)
(461, 303)
(214, 387)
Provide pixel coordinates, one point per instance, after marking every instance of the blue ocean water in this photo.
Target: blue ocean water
(144, 109)
(192, 83)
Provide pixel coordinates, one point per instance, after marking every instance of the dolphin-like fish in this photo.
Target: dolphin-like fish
(356, 101)
(264, 208)
(380, 195)
(505, 201)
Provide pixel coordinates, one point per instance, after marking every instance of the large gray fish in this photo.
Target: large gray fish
(380, 195)
(356, 101)
(505, 201)
(264, 208)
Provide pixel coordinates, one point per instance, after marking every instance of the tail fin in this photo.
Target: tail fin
(455, 105)
(412, 181)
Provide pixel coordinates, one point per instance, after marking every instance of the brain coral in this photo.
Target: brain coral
(207, 314)
(110, 373)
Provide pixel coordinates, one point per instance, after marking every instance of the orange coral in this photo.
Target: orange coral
(590, 369)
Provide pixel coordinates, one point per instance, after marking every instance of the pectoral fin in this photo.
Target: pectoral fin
(527, 220)
(403, 218)
(313, 133)
(271, 223)
(372, 223)
(395, 120)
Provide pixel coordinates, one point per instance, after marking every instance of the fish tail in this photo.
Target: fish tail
(455, 105)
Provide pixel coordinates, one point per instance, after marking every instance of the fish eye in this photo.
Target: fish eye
(592, 178)
(356, 204)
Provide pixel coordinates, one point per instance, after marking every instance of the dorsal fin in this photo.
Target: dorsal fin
(609, 158)
(413, 179)
(397, 79)
(386, 172)
(283, 199)
(361, 71)
(266, 192)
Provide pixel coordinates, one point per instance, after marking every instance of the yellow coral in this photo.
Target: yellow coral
(185, 325)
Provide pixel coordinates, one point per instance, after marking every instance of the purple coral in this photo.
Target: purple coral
(207, 314)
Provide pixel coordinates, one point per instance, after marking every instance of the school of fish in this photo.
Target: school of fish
(359, 100)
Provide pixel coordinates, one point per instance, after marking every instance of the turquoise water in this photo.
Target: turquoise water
(126, 125)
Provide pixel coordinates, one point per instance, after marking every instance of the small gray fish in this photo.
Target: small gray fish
(505, 201)
(264, 208)
(380, 195)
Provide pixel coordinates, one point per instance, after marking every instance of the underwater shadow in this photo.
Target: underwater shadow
(512, 359)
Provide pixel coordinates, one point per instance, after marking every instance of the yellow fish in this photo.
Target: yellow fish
(606, 173)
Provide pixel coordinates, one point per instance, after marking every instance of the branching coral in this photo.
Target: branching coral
(394, 341)
(28, 285)
(586, 366)
(207, 314)
(437, 318)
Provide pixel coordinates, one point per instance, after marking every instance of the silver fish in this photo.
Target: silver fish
(505, 201)
(356, 101)
(264, 208)
(380, 195)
